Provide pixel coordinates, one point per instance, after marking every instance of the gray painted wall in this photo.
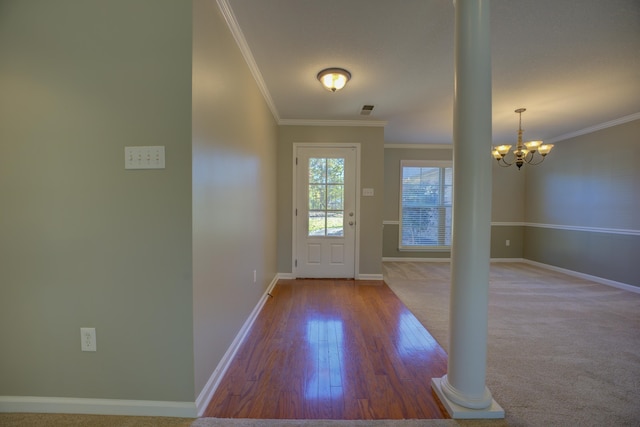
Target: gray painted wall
(590, 181)
(234, 190)
(507, 205)
(84, 242)
(610, 256)
(371, 176)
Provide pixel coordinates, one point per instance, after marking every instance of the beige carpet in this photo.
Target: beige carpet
(562, 351)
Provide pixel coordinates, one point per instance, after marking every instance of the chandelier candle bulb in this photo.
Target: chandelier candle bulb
(533, 145)
(503, 149)
(545, 148)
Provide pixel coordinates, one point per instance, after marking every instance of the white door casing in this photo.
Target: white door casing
(325, 210)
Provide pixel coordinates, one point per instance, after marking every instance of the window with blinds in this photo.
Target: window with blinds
(426, 196)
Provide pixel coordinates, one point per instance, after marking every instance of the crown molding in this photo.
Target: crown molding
(595, 128)
(421, 146)
(234, 27)
(308, 122)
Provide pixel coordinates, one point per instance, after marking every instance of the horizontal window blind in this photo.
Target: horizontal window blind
(426, 197)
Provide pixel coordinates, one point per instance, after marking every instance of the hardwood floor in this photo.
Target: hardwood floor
(333, 349)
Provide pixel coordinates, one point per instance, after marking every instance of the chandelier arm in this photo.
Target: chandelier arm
(532, 162)
(528, 157)
(502, 162)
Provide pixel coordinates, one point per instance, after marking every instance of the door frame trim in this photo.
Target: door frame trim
(294, 251)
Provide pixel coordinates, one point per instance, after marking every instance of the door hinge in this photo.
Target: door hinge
(296, 263)
(296, 161)
(296, 211)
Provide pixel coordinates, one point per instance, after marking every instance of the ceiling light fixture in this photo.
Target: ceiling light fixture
(334, 79)
(523, 153)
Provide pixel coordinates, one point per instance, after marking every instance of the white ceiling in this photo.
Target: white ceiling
(574, 64)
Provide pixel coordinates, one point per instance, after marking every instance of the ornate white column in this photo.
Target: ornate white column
(462, 390)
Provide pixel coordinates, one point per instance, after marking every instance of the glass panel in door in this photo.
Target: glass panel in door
(326, 197)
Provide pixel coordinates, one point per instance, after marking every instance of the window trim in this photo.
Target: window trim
(422, 164)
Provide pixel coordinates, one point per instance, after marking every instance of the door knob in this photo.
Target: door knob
(350, 222)
(350, 213)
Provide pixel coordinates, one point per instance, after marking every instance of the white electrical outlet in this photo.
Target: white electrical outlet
(507, 242)
(88, 339)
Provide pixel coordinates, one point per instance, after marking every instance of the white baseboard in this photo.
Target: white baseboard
(402, 259)
(214, 380)
(603, 281)
(290, 276)
(68, 405)
(407, 259)
(369, 277)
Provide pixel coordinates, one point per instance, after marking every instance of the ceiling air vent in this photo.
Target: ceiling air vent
(366, 110)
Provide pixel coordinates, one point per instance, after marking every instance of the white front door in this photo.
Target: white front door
(325, 212)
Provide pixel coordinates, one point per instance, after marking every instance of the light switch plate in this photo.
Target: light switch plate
(146, 157)
(367, 191)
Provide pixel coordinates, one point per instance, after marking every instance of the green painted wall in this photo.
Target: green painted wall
(84, 242)
(234, 190)
(160, 262)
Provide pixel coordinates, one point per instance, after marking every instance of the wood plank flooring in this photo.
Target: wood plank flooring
(333, 349)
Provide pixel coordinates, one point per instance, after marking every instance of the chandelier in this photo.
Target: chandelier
(531, 152)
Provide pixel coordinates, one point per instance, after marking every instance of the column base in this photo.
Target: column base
(494, 411)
